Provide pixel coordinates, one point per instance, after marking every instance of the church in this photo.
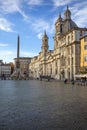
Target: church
(63, 62)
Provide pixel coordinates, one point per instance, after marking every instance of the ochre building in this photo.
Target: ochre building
(83, 56)
(64, 60)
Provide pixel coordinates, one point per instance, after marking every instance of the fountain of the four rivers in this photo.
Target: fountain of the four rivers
(17, 74)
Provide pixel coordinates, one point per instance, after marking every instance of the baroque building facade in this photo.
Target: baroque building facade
(64, 60)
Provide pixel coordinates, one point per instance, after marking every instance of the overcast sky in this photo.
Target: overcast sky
(29, 19)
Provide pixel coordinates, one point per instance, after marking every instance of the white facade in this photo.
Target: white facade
(64, 61)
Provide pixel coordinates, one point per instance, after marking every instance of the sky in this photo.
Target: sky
(30, 19)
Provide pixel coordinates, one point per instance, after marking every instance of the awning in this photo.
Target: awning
(80, 75)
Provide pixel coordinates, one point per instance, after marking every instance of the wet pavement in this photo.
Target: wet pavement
(42, 105)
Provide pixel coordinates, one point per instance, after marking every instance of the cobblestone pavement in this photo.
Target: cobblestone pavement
(42, 105)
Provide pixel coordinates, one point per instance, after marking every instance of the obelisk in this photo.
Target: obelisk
(18, 47)
(17, 74)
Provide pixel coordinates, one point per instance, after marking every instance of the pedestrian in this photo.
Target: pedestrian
(65, 81)
(73, 81)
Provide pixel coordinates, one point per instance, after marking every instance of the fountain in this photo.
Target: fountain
(17, 74)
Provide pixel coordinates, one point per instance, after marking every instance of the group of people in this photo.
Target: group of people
(3, 77)
(72, 81)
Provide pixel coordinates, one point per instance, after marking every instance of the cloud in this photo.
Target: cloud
(28, 54)
(9, 6)
(58, 3)
(3, 45)
(5, 25)
(7, 55)
(35, 2)
(39, 35)
(79, 13)
(26, 18)
(5, 52)
(41, 25)
(12, 6)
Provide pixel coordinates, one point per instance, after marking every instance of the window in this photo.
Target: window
(45, 40)
(50, 69)
(68, 61)
(72, 36)
(56, 63)
(71, 49)
(61, 28)
(56, 67)
(80, 33)
(85, 58)
(68, 39)
(85, 47)
(68, 51)
(72, 60)
(56, 70)
(85, 39)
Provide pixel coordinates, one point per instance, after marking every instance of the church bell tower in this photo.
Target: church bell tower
(45, 43)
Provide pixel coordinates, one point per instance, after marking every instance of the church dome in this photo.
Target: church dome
(68, 22)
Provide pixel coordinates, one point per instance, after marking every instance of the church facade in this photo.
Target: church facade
(64, 60)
